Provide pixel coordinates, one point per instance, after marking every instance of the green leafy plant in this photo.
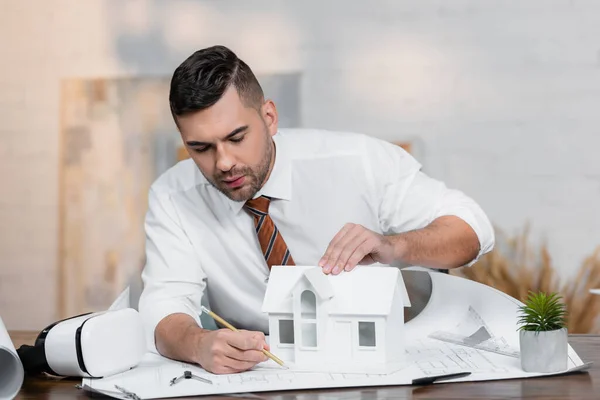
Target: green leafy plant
(542, 312)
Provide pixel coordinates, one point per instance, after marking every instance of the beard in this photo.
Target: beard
(254, 177)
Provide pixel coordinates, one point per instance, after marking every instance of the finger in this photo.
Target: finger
(353, 252)
(333, 249)
(244, 341)
(324, 262)
(360, 255)
(252, 356)
(341, 246)
(261, 337)
(368, 259)
(258, 335)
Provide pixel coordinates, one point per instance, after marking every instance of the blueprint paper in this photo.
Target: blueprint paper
(465, 326)
(11, 369)
(151, 378)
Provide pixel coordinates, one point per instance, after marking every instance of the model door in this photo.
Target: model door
(342, 341)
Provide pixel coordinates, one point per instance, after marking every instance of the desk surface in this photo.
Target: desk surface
(576, 386)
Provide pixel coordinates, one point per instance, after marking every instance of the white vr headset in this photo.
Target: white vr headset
(89, 345)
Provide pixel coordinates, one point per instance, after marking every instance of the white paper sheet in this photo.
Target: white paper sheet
(122, 301)
(11, 369)
(457, 306)
(151, 379)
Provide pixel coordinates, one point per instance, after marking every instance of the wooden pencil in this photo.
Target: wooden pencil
(233, 328)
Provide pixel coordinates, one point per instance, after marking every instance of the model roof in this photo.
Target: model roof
(366, 290)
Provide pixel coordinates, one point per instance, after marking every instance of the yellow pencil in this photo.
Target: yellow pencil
(228, 325)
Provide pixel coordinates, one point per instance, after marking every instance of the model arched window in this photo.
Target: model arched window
(308, 318)
(308, 302)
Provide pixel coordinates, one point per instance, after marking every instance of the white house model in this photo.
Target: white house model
(351, 322)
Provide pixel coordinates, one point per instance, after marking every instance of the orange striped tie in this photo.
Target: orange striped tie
(271, 242)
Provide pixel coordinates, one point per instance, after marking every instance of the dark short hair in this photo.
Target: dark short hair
(202, 79)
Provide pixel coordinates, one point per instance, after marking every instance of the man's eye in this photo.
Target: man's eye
(238, 139)
(200, 149)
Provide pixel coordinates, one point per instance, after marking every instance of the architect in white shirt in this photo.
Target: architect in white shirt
(334, 199)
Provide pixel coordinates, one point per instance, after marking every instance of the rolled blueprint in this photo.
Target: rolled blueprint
(11, 369)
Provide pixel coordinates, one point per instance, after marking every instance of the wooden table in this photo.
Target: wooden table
(584, 385)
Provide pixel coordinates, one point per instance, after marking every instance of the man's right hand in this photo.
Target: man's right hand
(179, 337)
(224, 351)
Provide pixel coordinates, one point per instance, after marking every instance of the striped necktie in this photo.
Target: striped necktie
(271, 242)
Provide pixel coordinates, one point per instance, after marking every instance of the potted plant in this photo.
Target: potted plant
(543, 333)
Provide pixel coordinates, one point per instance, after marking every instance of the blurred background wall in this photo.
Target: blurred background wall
(497, 98)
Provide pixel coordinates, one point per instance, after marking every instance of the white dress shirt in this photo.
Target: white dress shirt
(201, 243)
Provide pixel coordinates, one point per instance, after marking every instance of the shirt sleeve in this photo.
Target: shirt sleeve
(409, 199)
(174, 281)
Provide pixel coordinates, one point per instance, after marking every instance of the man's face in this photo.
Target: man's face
(231, 144)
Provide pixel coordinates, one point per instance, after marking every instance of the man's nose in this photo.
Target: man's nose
(224, 160)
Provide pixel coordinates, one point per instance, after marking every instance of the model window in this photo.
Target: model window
(308, 305)
(286, 331)
(308, 318)
(366, 334)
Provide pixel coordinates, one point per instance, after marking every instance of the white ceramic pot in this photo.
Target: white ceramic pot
(544, 351)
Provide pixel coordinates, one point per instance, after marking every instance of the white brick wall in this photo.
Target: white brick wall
(502, 95)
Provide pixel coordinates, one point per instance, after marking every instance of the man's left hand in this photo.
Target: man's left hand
(356, 245)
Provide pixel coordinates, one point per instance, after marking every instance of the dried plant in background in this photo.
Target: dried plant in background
(515, 269)
(584, 307)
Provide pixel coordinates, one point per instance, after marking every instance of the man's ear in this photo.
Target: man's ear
(269, 115)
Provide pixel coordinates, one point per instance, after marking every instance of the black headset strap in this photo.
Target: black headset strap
(34, 360)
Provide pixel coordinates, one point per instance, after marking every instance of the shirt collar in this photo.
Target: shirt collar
(279, 184)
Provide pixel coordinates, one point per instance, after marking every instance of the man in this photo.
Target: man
(253, 196)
